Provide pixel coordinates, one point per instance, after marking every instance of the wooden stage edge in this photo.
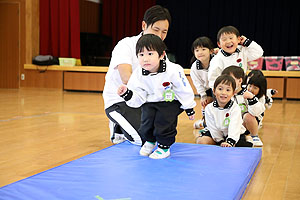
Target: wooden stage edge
(105, 69)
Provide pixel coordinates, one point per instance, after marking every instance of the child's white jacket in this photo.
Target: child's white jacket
(255, 106)
(149, 87)
(224, 123)
(200, 79)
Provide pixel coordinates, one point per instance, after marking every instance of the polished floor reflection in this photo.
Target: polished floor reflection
(44, 128)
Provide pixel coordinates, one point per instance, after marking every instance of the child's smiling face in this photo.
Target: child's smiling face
(223, 93)
(229, 42)
(202, 53)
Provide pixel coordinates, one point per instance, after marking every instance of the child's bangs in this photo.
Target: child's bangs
(226, 82)
(148, 46)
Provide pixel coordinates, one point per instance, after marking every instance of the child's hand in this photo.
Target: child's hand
(203, 102)
(216, 50)
(243, 39)
(192, 117)
(225, 144)
(248, 95)
(122, 89)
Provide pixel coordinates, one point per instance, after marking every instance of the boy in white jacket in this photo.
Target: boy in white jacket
(223, 117)
(235, 50)
(163, 92)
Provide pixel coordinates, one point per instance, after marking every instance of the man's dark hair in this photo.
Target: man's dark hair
(152, 43)
(228, 30)
(225, 79)
(156, 13)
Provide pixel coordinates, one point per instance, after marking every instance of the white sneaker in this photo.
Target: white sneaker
(257, 142)
(249, 138)
(160, 154)
(147, 149)
(199, 124)
(118, 138)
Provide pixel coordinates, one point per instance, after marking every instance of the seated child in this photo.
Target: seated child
(270, 92)
(223, 117)
(202, 49)
(162, 90)
(235, 50)
(250, 107)
(257, 86)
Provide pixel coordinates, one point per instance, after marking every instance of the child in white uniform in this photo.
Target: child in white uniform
(124, 120)
(223, 117)
(163, 92)
(270, 92)
(257, 86)
(202, 49)
(248, 103)
(235, 50)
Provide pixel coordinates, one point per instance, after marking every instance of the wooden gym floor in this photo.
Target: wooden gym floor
(44, 128)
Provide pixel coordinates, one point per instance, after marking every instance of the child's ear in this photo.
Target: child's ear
(162, 55)
(219, 45)
(144, 25)
(241, 80)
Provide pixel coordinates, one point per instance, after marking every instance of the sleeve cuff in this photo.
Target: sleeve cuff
(190, 111)
(230, 141)
(127, 95)
(273, 92)
(209, 92)
(247, 42)
(252, 101)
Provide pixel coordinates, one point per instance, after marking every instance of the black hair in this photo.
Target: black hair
(228, 29)
(156, 13)
(152, 43)
(201, 42)
(225, 79)
(237, 71)
(260, 82)
(253, 73)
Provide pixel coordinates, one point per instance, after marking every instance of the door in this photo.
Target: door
(9, 44)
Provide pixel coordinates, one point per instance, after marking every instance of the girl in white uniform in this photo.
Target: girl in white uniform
(202, 49)
(162, 90)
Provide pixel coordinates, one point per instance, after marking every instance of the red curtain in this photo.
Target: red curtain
(60, 28)
(122, 18)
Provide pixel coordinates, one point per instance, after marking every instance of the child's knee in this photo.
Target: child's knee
(204, 140)
(248, 118)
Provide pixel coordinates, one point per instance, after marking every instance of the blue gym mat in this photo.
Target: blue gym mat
(120, 173)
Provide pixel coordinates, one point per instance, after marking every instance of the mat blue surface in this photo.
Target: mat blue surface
(120, 173)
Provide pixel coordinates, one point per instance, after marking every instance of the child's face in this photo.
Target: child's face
(159, 28)
(202, 53)
(229, 42)
(253, 89)
(223, 93)
(149, 60)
